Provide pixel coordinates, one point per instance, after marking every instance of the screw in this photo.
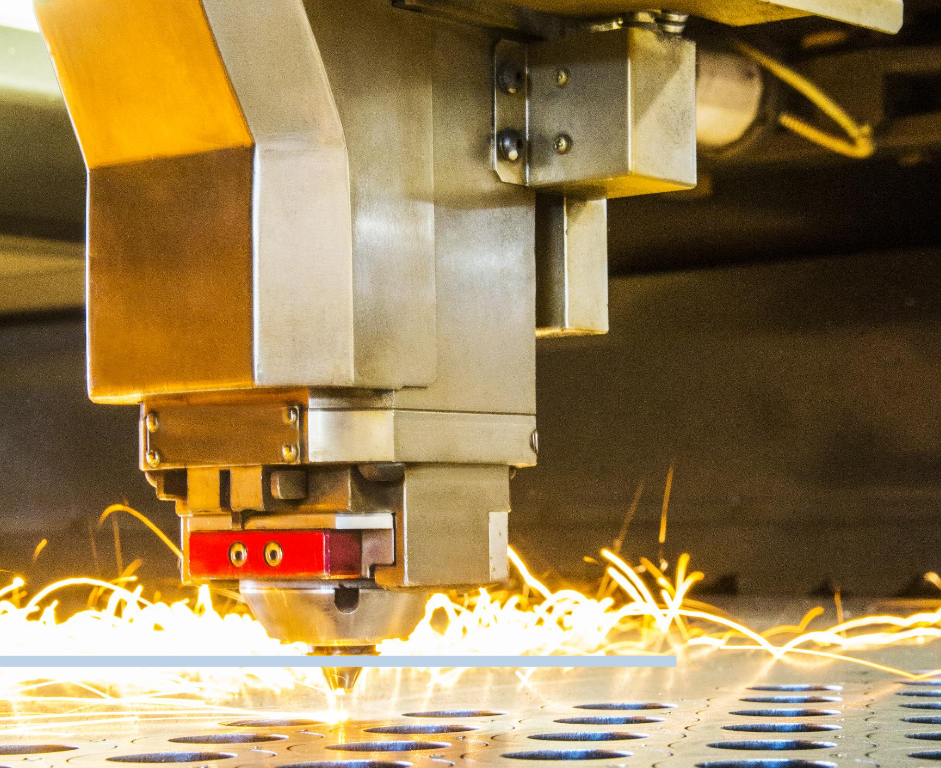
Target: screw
(289, 452)
(510, 77)
(153, 458)
(238, 554)
(562, 144)
(291, 415)
(152, 421)
(534, 441)
(273, 554)
(510, 145)
(561, 78)
(672, 22)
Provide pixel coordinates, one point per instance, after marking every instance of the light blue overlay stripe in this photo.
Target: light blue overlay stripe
(216, 662)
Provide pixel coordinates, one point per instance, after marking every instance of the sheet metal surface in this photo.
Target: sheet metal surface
(729, 710)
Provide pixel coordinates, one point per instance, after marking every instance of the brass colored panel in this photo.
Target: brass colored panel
(142, 79)
(884, 15)
(170, 276)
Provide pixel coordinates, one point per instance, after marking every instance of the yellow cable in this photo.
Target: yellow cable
(859, 145)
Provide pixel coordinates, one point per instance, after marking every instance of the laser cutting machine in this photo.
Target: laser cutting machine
(323, 238)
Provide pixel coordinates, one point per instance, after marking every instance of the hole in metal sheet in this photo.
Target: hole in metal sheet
(588, 736)
(33, 749)
(767, 763)
(456, 713)
(350, 764)
(786, 712)
(627, 705)
(172, 757)
(228, 738)
(773, 744)
(411, 728)
(388, 746)
(273, 723)
(781, 727)
(926, 720)
(610, 720)
(566, 754)
(796, 687)
(807, 699)
(924, 705)
(934, 755)
(931, 693)
(927, 735)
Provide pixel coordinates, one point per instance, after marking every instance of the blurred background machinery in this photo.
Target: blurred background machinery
(773, 332)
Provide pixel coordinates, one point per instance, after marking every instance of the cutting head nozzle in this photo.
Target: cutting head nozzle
(342, 678)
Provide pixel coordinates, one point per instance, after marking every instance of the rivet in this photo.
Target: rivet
(153, 458)
(562, 143)
(289, 452)
(238, 554)
(152, 421)
(534, 441)
(291, 415)
(561, 78)
(273, 554)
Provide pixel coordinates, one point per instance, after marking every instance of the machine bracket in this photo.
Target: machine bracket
(597, 114)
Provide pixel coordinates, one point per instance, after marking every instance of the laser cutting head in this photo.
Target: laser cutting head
(318, 262)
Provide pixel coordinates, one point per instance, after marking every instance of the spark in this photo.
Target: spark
(642, 609)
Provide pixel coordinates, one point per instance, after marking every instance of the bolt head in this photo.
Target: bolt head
(273, 554)
(289, 452)
(562, 143)
(153, 458)
(510, 145)
(561, 78)
(152, 421)
(238, 554)
(510, 77)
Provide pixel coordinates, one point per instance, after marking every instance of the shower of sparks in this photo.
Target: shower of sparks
(637, 609)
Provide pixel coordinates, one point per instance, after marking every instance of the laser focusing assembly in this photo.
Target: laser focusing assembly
(322, 241)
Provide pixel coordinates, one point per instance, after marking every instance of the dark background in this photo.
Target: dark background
(775, 336)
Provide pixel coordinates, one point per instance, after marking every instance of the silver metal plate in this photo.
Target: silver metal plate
(725, 710)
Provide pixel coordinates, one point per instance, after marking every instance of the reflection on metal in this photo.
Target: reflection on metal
(354, 615)
(489, 718)
(40, 275)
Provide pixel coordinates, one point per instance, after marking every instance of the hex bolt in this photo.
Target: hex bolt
(273, 554)
(561, 78)
(289, 452)
(562, 144)
(510, 145)
(534, 441)
(238, 554)
(510, 77)
(153, 458)
(152, 421)
(291, 415)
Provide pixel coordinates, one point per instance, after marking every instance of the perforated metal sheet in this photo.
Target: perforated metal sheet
(729, 710)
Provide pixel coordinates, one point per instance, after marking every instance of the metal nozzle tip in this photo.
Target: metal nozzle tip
(341, 678)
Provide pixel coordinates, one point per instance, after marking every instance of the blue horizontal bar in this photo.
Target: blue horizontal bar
(287, 662)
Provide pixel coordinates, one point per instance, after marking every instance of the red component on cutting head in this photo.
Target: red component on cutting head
(274, 554)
